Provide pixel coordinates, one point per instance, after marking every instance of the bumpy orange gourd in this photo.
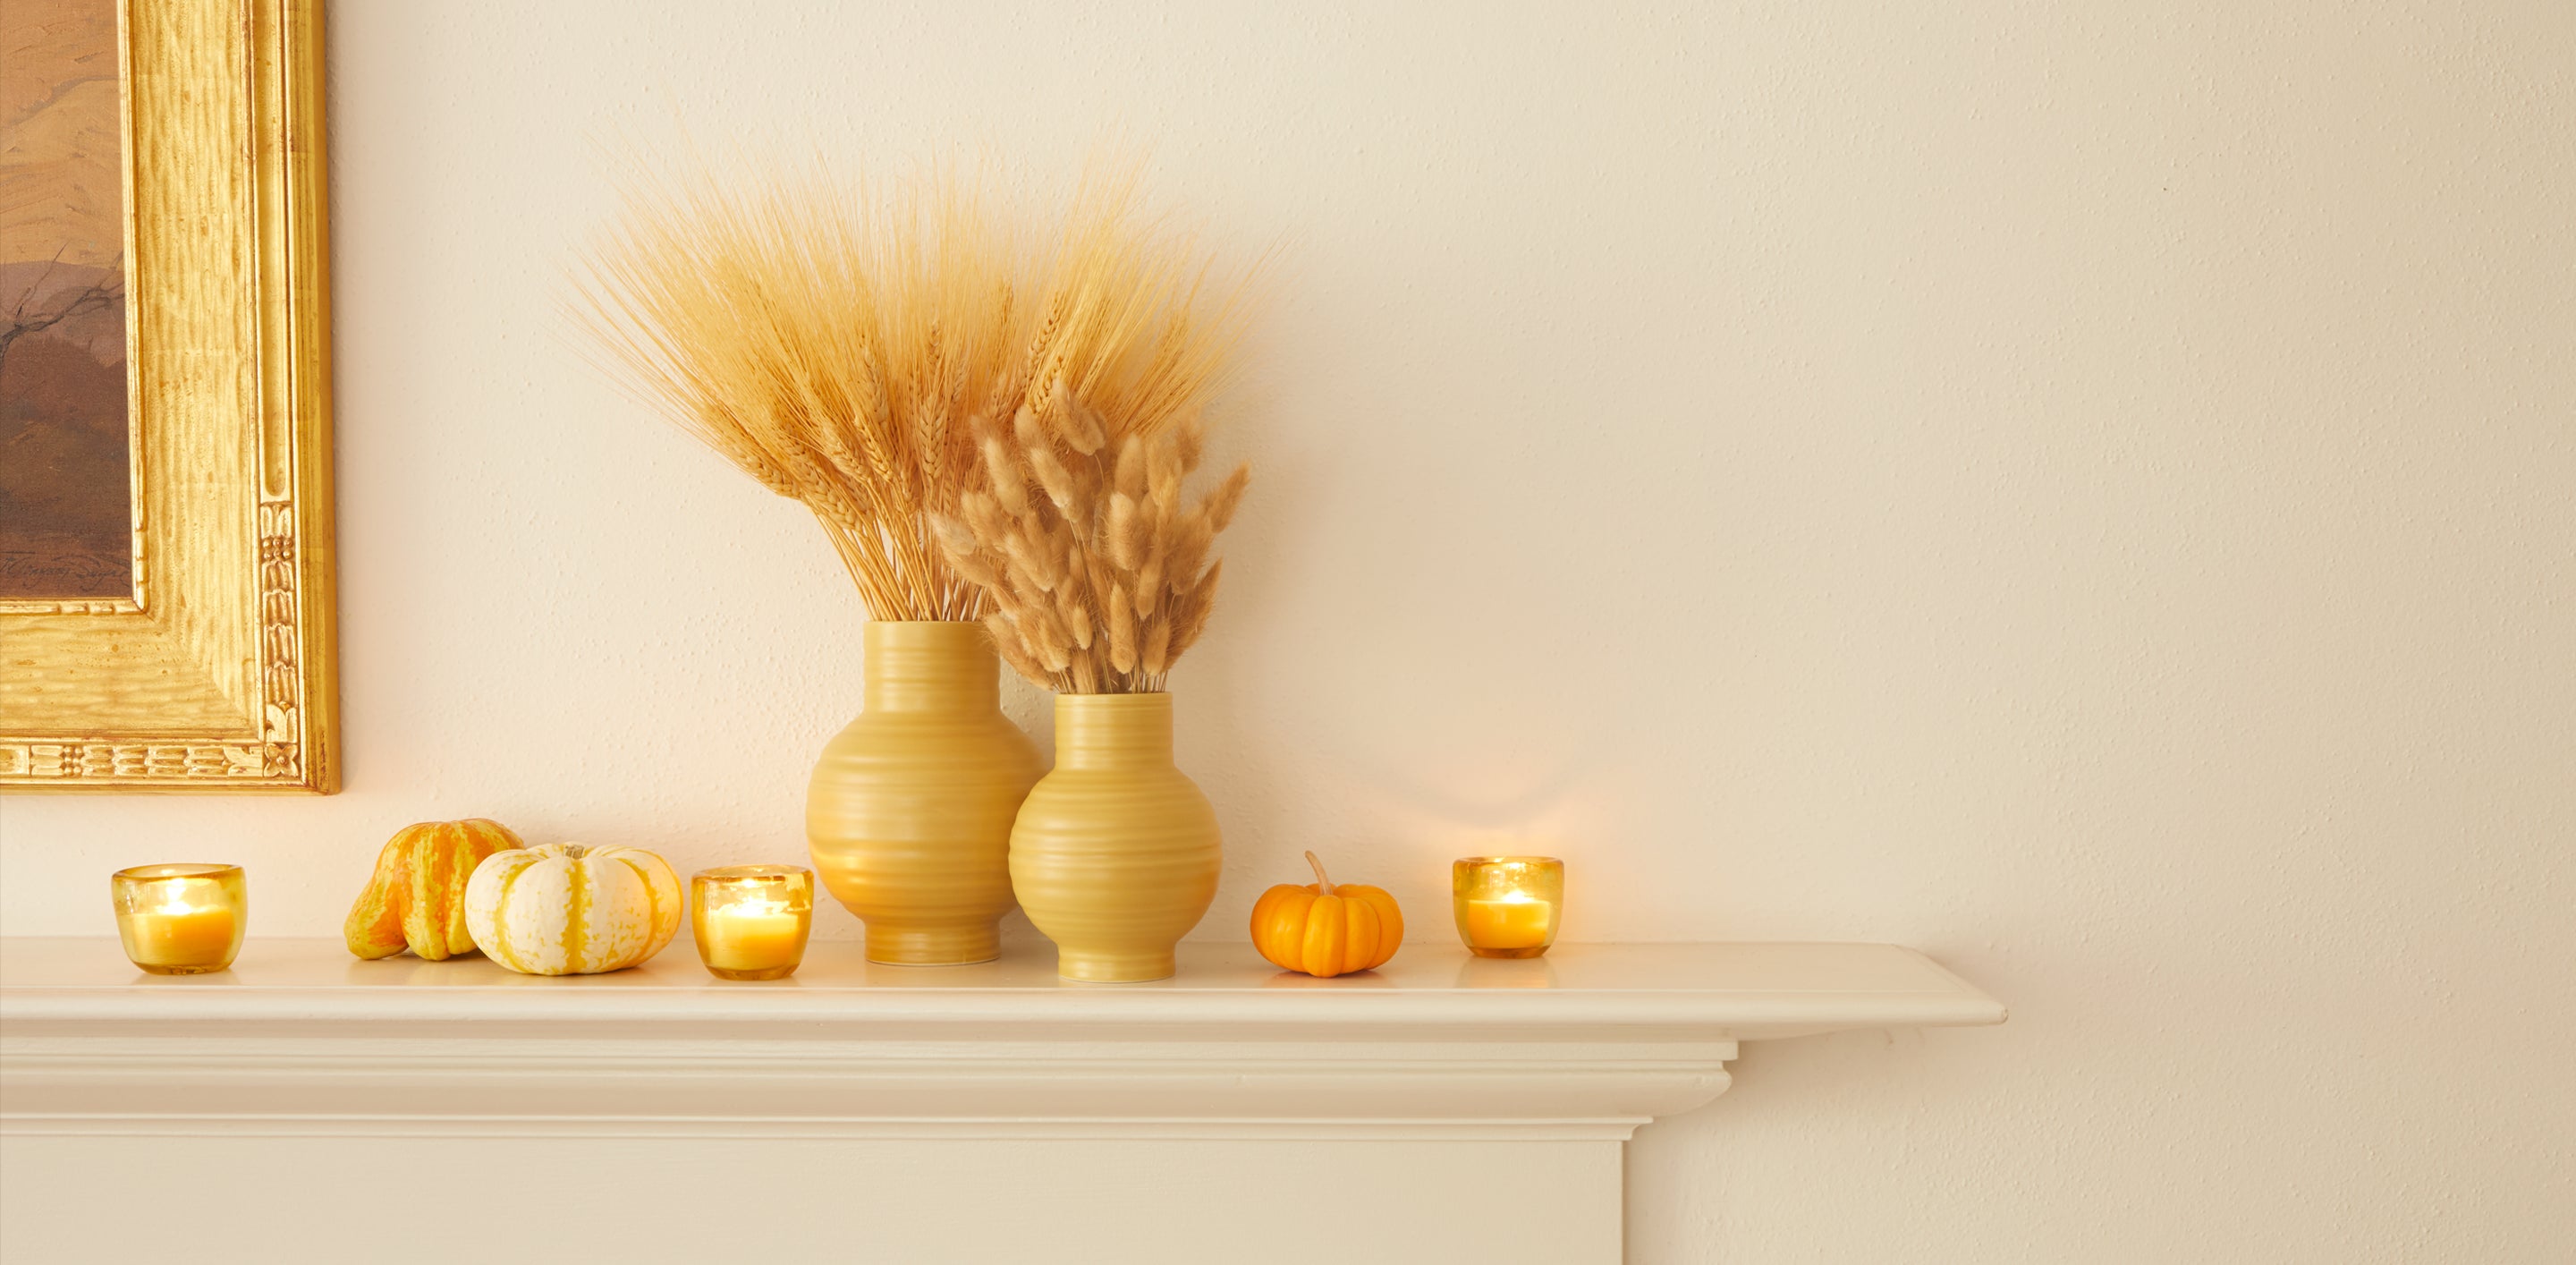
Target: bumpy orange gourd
(416, 899)
(1325, 930)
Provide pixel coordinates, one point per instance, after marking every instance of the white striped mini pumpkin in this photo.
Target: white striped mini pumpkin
(570, 909)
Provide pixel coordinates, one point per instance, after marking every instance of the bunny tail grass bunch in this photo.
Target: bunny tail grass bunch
(1099, 575)
(868, 355)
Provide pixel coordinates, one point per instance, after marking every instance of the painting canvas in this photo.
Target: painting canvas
(166, 569)
(66, 439)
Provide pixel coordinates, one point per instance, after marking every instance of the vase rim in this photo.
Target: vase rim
(926, 634)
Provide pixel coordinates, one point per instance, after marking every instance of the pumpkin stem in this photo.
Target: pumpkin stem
(1323, 885)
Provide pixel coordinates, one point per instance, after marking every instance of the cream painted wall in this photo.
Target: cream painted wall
(2082, 489)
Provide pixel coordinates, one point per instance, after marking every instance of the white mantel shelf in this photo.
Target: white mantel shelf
(1590, 1041)
(1442, 1108)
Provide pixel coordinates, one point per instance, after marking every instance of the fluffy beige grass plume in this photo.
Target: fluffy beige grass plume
(866, 350)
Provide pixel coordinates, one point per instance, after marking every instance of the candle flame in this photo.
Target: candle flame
(174, 897)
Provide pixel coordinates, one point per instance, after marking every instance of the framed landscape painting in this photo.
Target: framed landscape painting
(165, 501)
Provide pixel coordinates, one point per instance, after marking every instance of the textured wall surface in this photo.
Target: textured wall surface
(2081, 489)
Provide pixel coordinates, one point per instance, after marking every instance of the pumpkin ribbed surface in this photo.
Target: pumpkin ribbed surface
(569, 909)
(416, 898)
(1116, 853)
(1326, 928)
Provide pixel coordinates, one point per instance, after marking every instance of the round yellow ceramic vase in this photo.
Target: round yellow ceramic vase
(1116, 853)
(909, 813)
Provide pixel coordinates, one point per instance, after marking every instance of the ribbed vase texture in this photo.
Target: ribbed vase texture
(1116, 853)
(910, 809)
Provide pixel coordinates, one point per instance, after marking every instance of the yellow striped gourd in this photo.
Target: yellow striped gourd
(416, 898)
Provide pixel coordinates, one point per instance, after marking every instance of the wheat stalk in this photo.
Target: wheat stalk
(863, 355)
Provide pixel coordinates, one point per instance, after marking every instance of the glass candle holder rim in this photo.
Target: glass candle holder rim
(753, 873)
(1508, 860)
(175, 869)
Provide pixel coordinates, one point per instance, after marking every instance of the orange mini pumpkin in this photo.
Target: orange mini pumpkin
(416, 898)
(1325, 930)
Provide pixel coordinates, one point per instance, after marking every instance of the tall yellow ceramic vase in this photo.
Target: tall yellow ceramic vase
(1116, 853)
(909, 813)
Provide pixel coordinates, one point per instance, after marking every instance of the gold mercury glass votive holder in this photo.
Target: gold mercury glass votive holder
(751, 921)
(1508, 907)
(181, 919)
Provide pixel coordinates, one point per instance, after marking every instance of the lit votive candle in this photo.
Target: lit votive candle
(1508, 907)
(181, 919)
(751, 921)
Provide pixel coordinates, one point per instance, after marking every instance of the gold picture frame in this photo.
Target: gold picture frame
(219, 673)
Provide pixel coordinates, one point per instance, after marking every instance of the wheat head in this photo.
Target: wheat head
(872, 353)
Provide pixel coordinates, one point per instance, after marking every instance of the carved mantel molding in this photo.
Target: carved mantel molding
(1438, 1085)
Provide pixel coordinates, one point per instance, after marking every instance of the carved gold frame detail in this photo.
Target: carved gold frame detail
(220, 673)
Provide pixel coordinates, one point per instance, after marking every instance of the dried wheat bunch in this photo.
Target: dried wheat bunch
(1098, 574)
(846, 350)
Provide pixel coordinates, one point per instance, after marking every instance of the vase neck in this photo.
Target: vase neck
(930, 665)
(1104, 730)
